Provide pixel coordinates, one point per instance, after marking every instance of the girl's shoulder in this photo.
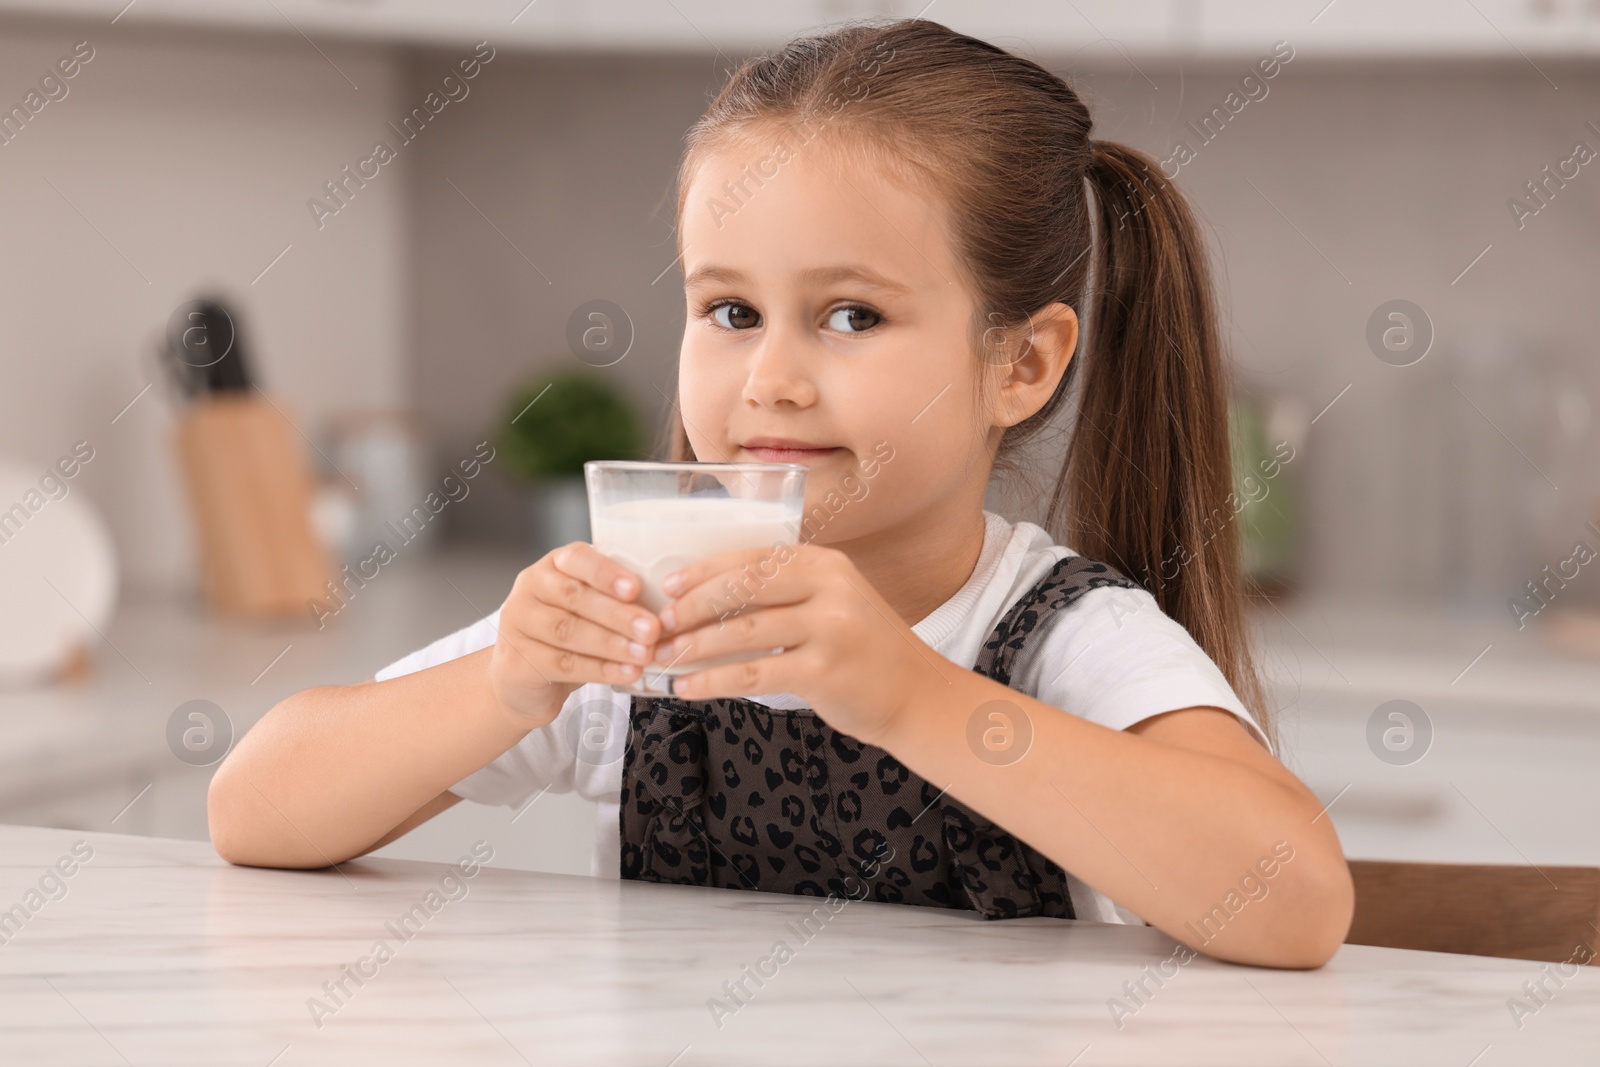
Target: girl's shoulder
(1022, 554)
(1015, 557)
(1109, 654)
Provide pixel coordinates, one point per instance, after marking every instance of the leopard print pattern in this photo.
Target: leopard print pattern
(728, 792)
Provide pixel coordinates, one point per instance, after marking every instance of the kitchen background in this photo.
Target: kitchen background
(1440, 156)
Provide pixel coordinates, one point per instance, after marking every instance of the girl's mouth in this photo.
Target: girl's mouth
(784, 450)
(790, 455)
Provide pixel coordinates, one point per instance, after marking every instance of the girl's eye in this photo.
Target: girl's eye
(739, 317)
(735, 315)
(846, 319)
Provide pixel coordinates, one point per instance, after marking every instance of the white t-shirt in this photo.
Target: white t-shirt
(1111, 657)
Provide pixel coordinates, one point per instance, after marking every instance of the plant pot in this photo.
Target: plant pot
(558, 512)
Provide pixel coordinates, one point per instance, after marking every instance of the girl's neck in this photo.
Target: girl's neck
(922, 562)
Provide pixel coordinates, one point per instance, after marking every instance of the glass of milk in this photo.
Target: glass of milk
(656, 517)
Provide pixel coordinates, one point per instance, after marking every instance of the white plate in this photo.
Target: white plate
(58, 572)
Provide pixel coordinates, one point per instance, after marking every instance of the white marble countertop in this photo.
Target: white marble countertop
(161, 953)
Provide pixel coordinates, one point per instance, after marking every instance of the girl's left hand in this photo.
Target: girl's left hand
(845, 651)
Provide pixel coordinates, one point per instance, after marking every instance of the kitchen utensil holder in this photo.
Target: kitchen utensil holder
(250, 490)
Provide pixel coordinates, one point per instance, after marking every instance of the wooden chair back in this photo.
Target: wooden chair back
(1518, 912)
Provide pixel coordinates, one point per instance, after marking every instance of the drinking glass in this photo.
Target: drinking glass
(656, 517)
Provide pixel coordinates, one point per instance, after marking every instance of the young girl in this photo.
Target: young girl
(887, 231)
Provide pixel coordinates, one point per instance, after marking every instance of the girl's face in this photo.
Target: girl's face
(825, 306)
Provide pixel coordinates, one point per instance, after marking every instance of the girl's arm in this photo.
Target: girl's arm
(333, 772)
(336, 771)
(443, 802)
(1179, 818)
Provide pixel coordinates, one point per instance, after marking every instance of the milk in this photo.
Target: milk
(654, 537)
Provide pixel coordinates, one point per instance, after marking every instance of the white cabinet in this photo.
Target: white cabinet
(1511, 791)
(1083, 29)
(1384, 28)
(164, 798)
(556, 834)
(1512, 772)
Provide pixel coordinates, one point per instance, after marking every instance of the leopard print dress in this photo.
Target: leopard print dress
(730, 793)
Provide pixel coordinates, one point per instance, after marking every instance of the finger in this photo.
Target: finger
(726, 594)
(571, 667)
(559, 628)
(552, 664)
(765, 674)
(692, 574)
(588, 564)
(763, 630)
(559, 589)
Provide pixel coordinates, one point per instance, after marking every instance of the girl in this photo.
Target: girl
(887, 231)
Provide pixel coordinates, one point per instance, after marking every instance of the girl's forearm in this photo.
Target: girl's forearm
(329, 771)
(1171, 833)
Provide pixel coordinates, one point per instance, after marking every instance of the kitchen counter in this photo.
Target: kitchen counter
(1471, 657)
(1515, 724)
(95, 755)
(159, 952)
(162, 650)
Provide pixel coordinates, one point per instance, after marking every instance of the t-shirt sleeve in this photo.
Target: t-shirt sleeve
(542, 760)
(470, 638)
(1113, 657)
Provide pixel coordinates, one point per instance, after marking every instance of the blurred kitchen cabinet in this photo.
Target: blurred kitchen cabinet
(553, 833)
(1385, 28)
(1496, 785)
(1232, 29)
(162, 798)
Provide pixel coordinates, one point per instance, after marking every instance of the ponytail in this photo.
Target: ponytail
(1148, 472)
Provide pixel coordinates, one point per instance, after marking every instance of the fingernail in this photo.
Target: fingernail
(672, 584)
(668, 619)
(641, 627)
(637, 650)
(622, 586)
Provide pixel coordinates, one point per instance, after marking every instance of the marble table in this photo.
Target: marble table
(154, 951)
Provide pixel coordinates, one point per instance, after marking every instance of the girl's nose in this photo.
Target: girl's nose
(778, 373)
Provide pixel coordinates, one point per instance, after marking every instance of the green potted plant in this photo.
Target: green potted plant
(1265, 499)
(552, 425)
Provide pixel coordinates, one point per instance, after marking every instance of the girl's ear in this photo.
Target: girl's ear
(1027, 363)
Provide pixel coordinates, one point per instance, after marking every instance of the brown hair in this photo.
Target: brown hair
(1147, 479)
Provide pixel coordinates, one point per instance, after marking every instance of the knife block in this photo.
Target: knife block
(250, 492)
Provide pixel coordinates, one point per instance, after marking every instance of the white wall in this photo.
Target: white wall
(194, 156)
(1397, 171)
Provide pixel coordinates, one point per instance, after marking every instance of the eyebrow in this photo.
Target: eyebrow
(853, 272)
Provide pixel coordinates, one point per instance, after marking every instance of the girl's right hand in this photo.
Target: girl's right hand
(569, 620)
